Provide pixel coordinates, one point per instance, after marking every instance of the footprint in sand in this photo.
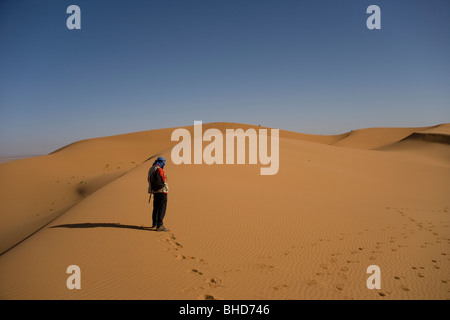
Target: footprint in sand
(404, 288)
(280, 287)
(172, 241)
(200, 260)
(263, 266)
(340, 286)
(175, 246)
(195, 271)
(342, 275)
(311, 282)
(335, 254)
(352, 261)
(214, 282)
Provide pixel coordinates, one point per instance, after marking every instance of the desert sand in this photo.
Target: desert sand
(376, 196)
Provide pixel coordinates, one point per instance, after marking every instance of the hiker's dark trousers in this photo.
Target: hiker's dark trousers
(159, 208)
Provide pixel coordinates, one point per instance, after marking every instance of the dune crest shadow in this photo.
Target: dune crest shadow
(102, 225)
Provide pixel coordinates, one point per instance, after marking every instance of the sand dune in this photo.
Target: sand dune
(439, 134)
(430, 145)
(338, 204)
(373, 138)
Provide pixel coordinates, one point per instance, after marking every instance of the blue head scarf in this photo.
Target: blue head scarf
(160, 162)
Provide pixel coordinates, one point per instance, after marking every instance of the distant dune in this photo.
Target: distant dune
(12, 158)
(376, 196)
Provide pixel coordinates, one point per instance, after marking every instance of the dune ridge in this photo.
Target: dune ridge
(431, 137)
(338, 204)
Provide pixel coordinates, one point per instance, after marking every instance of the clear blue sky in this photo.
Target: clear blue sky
(308, 66)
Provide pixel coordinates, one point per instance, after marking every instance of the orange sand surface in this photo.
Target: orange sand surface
(377, 196)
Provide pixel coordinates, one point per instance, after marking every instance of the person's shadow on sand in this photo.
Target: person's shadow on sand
(103, 225)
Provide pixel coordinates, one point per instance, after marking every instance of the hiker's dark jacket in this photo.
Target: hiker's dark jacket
(156, 172)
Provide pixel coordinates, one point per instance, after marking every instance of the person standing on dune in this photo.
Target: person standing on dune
(157, 185)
